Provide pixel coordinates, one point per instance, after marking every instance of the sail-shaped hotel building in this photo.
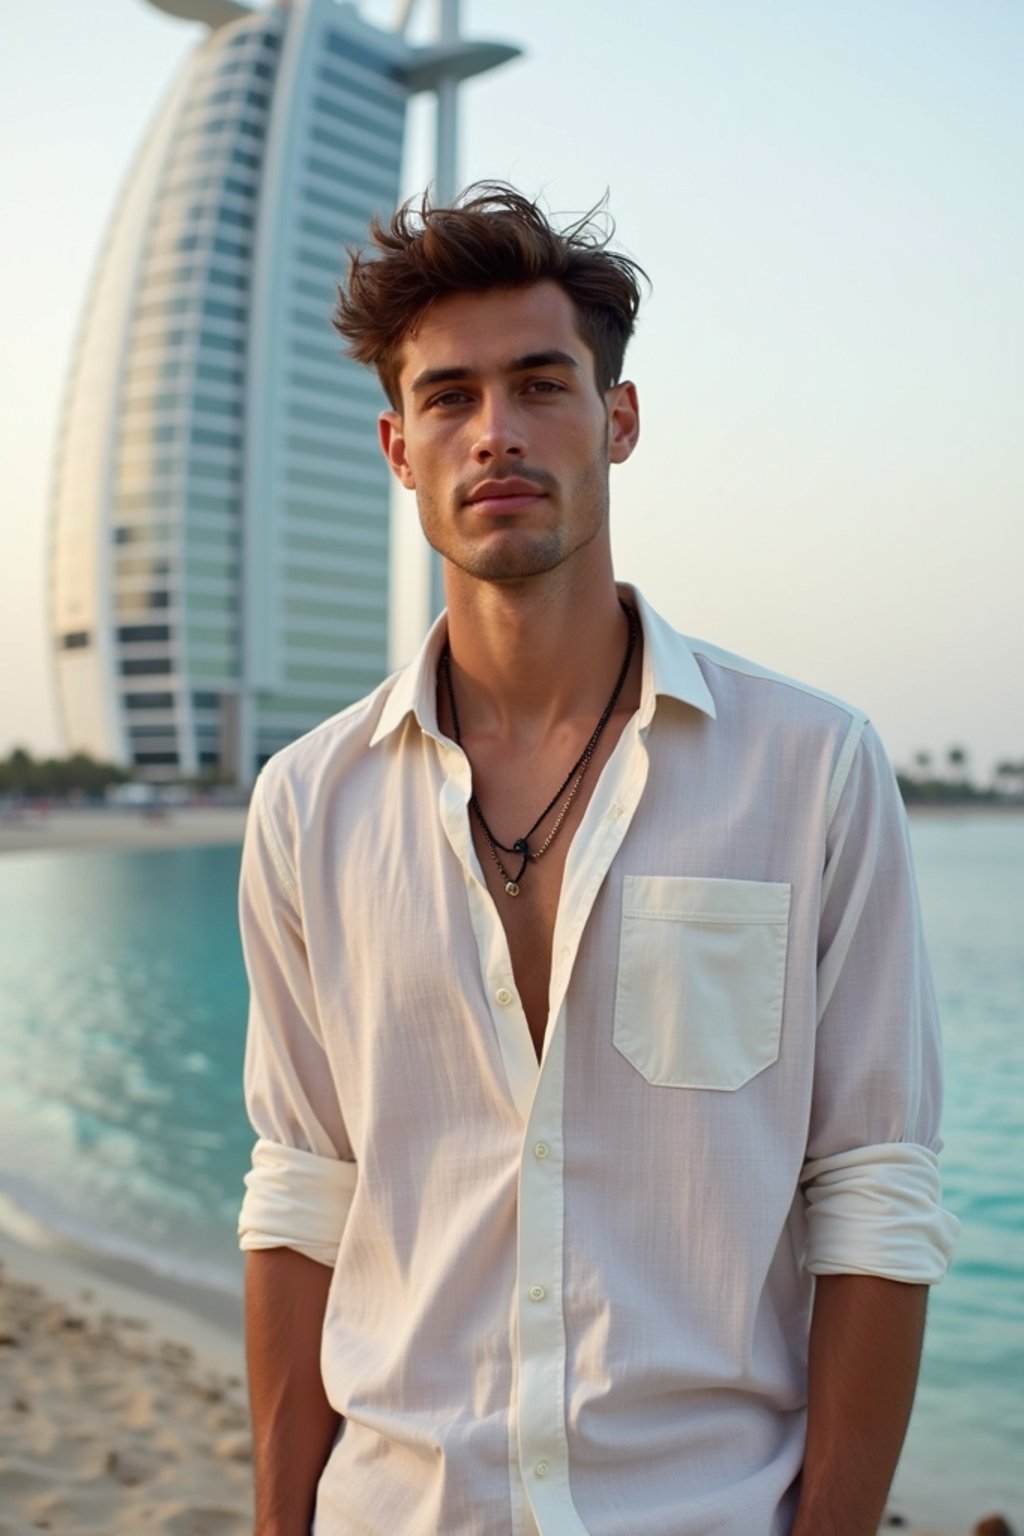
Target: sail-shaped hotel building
(220, 521)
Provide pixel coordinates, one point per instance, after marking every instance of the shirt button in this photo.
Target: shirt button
(537, 1293)
(541, 1150)
(541, 1469)
(503, 996)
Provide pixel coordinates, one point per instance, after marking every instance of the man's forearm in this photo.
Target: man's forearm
(293, 1423)
(865, 1349)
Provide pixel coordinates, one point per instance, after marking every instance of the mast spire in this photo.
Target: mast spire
(446, 174)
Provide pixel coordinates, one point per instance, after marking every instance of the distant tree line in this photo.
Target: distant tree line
(926, 783)
(80, 776)
(57, 778)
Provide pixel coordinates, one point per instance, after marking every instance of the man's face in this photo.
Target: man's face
(503, 433)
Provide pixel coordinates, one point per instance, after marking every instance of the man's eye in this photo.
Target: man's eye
(448, 397)
(545, 387)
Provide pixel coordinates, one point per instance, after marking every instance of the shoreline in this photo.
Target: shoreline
(102, 829)
(105, 829)
(963, 807)
(190, 1311)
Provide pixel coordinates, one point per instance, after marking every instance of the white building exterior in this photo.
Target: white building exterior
(220, 567)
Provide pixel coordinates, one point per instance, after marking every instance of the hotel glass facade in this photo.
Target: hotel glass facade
(221, 512)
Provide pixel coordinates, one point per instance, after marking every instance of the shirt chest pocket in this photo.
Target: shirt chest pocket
(698, 1001)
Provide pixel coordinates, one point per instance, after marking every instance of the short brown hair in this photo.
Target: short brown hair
(491, 237)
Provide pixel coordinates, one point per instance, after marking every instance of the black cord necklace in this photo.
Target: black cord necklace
(570, 786)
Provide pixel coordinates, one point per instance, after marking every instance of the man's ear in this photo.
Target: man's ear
(623, 421)
(392, 442)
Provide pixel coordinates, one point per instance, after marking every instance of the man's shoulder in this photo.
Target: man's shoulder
(740, 692)
(776, 692)
(796, 725)
(329, 748)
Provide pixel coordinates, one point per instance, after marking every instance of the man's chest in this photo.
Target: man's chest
(522, 836)
(665, 916)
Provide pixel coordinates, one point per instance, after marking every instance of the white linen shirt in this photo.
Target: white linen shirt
(574, 1296)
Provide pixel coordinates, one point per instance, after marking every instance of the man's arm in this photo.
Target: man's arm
(865, 1349)
(294, 1425)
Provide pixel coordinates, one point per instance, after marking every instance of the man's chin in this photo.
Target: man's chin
(509, 561)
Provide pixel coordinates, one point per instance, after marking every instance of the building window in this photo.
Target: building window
(233, 216)
(239, 188)
(211, 341)
(206, 701)
(149, 701)
(214, 405)
(156, 759)
(202, 469)
(143, 632)
(143, 567)
(148, 666)
(75, 640)
(214, 375)
(345, 48)
(366, 93)
(216, 309)
(162, 733)
(202, 437)
(221, 279)
(376, 187)
(230, 248)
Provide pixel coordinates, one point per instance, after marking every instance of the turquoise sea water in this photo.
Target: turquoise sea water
(122, 1024)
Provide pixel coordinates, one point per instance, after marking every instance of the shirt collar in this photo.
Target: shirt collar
(415, 687)
(670, 670)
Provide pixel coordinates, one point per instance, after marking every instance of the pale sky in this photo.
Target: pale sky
(829, 199)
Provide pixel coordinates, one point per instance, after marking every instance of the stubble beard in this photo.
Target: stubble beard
(522, 554)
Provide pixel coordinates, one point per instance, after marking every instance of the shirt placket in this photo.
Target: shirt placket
(540, 1406)
(506, 1010)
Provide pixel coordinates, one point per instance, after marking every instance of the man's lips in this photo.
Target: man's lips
(504, 495)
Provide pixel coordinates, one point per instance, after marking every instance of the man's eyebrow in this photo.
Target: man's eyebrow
(459, 372)
(552, 359)
(431, 376)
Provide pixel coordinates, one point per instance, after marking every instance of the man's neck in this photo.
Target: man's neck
(531, 655)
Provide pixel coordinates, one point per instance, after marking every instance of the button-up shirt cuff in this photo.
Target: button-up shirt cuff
(297, 1200)
(876, 1211)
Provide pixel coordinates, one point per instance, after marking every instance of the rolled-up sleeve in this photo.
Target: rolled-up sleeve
(871, 1175)
(303, 1175)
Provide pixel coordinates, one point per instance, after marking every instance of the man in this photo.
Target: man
(592, 1051)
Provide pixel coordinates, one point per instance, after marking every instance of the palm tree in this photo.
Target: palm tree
(956, 757)
(1010, 777)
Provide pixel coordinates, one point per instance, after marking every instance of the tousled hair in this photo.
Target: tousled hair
(491, 237)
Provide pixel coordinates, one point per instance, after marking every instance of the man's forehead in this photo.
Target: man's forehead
(494, 329)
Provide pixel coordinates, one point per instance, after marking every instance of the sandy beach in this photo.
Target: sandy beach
(101, 828)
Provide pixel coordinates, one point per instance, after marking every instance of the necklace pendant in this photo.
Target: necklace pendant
(511, 888)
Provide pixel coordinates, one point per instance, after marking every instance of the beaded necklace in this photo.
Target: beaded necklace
(570, 786)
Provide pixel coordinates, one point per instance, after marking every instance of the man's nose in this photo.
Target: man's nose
(499, 430)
